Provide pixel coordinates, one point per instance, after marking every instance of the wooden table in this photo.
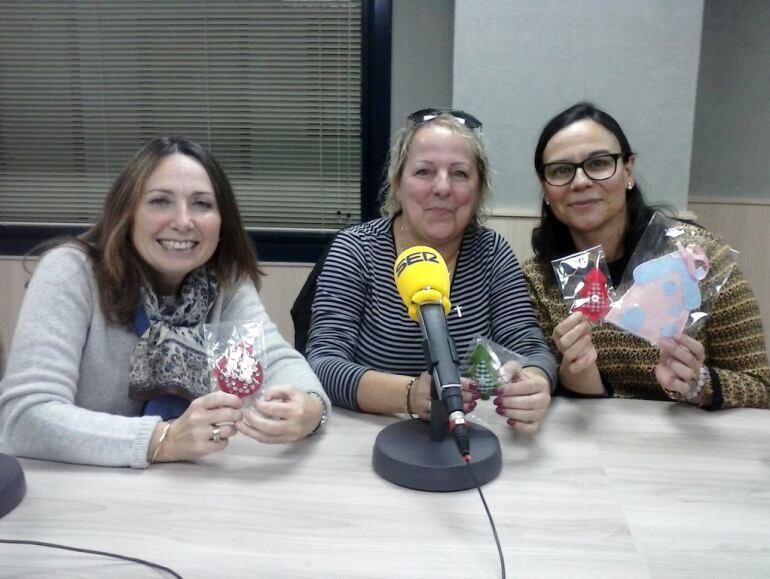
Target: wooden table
(607, 488)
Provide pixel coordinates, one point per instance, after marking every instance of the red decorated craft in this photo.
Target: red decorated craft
(238, 371)
(594, 299)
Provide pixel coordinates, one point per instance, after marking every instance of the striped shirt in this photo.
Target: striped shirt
(359, 322)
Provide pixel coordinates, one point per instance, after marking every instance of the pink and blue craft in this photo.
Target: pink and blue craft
(664, 292)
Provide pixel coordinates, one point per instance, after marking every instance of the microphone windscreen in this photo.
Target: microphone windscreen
(421, 276)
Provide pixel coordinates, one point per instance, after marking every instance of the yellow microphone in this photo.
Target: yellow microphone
(422, 280)
(422, 277)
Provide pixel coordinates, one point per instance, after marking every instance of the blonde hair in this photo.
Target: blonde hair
(399, 153)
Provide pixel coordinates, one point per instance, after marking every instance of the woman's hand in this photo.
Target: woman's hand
(192, 435)
(573, 339)
(578, 371)
(284, 414)
(419, 396)
(681, 359)
(524, 399)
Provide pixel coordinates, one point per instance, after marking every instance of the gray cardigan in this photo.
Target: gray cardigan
(64, 395)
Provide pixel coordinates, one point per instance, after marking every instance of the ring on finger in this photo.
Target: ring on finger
(215, 434)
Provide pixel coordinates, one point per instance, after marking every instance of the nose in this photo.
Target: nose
(580, 180)
(182, 218)
(442, 184)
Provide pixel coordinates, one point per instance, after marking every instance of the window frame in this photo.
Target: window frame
(285, 245)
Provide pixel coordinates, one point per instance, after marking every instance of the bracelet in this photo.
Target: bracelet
(163, 436)
(695, 396)
(407, 401)
(324, 411)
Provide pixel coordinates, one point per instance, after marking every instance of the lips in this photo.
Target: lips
(439, 210)
(585, 202)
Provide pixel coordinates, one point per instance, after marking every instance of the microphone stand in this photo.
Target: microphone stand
(419, 455)
(422, 455)
(438, 415)
(12, 484)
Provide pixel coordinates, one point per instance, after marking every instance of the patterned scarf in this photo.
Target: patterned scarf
(170, 357)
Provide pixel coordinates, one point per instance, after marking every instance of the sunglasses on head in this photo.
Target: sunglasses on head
(427, 115)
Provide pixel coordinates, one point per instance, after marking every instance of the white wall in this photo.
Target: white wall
(421, 57)
(518, 63)
(731, 153)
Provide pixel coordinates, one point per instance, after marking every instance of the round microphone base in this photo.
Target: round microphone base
(12, 484)
(404, 454)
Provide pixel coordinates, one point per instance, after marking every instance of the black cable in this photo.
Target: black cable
(93, 552)
(491, 521)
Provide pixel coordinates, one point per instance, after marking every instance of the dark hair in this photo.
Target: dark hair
(552, 239)
(119, 269)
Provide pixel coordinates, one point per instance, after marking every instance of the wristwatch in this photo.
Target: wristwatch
(324, 411)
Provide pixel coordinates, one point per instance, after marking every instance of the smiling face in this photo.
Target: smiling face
(176, 225)
(439, 187)
(594, 211)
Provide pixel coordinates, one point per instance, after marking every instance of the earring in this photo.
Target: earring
(630, 185)
(547, 202)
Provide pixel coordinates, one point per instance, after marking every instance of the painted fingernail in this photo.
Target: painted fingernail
(500, 411)
(474, 385)
(498, 401)
(511, 422)
(476, 396)
(497, 392)
(471, 406)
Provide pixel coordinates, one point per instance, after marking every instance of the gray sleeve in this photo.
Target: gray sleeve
(42, 413)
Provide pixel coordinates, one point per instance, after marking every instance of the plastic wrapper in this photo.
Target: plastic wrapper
(584, 281)
(668, 283)
(237, 357)
(487, 364)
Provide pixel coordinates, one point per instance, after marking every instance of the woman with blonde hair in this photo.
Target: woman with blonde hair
(363, 345)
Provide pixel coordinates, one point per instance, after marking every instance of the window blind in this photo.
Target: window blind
(272, 88)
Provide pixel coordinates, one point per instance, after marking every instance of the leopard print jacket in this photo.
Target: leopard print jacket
(736, 356)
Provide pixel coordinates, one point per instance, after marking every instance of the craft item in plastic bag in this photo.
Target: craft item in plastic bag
(671, 278)
(664, 292)
(236, 353)
(584, 281)
(486, 365)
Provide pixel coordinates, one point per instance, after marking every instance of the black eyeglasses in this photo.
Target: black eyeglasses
(427, 115)
(597, 168)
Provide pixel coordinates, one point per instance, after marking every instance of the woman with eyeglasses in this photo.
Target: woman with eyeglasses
(363, 345)
(591, 197)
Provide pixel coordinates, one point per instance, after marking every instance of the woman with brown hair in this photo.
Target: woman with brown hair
(108, 364)
(587, 171)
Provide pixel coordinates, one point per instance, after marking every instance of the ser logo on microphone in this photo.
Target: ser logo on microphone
(415, 257)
